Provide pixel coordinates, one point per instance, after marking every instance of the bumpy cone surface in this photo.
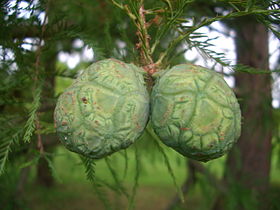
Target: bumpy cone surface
(105, 110)
(195, 112)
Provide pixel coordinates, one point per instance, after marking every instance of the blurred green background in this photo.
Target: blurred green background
(46, 44)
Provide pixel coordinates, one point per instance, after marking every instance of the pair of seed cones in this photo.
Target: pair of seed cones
(106, 109)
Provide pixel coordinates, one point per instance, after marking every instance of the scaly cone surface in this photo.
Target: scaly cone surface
(195, 112)
(105, 110)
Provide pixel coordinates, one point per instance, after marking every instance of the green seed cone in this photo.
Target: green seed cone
(195, 112)
(105, 110)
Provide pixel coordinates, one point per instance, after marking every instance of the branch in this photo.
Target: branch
(209, 21)
(22, 31)
(33, 31)
(117, 4)
(144, 39)
(142, 26)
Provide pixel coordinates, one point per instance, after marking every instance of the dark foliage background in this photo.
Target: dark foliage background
(36, 172)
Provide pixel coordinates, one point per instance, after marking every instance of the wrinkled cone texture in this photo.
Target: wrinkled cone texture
(106, 109)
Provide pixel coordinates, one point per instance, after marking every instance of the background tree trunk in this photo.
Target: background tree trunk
(248, 164)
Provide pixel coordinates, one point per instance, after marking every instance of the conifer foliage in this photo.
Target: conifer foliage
(149, 33)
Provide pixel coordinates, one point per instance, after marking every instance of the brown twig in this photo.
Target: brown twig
(156, 20)
(144, 43)
(144, 39)
(40, 145)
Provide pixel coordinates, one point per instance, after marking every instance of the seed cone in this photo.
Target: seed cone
(195, 112)
(105, 110)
